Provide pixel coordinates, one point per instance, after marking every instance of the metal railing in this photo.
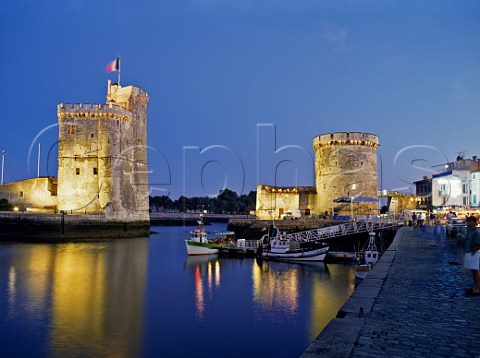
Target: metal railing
(349, 228)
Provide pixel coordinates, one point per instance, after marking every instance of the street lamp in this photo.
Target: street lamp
(3, 163)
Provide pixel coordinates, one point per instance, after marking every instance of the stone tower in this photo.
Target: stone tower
(102, 156)
(346, 166)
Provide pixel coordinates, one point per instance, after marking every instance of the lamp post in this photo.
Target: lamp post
(3, 163)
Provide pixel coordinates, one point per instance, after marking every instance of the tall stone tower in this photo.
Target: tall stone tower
(346, 166)
(102, 156)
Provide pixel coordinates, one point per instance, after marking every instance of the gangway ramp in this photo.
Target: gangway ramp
(346, 229)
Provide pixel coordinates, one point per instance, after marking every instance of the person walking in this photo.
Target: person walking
(472, 254)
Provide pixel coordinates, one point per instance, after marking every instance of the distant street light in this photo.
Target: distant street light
(3, 163)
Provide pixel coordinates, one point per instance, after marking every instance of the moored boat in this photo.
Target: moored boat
(200, 244)
(278, 247)
(367, 258)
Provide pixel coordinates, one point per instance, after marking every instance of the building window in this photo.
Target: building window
(474, 198)
(465, 188)
(21, 194)
(91, 135)
(95, 171)
(465, 200)
(72, 128)
(77, 171)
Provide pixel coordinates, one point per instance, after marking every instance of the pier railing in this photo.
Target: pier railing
(349, 228)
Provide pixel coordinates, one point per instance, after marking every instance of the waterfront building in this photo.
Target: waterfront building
(423, 190)
(273, 202)
(102, 162)
(345, 167)
(456, 187)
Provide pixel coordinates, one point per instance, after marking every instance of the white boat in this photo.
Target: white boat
(200, 244)
(369, 257)
(278, 247)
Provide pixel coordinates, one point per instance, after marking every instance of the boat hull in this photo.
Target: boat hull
(197, 248)
(361, 271)
(311, 255)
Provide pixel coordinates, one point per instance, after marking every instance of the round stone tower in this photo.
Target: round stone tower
(346, 166)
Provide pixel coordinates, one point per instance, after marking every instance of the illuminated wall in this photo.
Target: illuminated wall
(273, 201)
(36, 194)
(451, 189)
(475, 189)
(102, 156)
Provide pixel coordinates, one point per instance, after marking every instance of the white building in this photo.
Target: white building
(459, 185)
(475, 189)
(451, 188)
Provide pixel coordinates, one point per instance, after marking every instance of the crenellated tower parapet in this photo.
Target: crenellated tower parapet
(345, 138)
(89, 110)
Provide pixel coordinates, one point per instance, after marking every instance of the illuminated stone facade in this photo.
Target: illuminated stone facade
(102, 158)
(36, 194)
(345, 166)
(272, 202)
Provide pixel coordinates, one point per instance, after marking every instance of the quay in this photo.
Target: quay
(412, 304)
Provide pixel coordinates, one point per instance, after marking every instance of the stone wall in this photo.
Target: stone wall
(275, 201)
(36, 194)
(346, 165)
(50, 227)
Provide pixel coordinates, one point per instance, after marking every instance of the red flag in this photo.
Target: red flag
(113, 66)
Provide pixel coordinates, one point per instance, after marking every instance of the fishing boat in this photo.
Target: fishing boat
(276, 246)
(200, 244)
(367, 258)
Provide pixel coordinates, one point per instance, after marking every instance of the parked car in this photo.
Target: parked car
(291, 215)
(454, 225)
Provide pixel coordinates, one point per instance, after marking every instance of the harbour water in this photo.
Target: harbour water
(145, 297)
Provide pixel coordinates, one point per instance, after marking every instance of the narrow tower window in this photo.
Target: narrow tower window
(95, 171)
(77, 171)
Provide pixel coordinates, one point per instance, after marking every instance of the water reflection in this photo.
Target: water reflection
(281, 291)
(205, 267)
(277, 286)
(93, 293)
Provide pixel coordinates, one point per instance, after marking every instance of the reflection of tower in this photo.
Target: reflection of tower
(346, 165)
(102, 158)
(276, 289)
(97, 299)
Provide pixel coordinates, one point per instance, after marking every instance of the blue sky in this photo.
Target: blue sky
(240, 87)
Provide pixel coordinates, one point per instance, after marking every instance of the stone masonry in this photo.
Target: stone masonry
(102, 157)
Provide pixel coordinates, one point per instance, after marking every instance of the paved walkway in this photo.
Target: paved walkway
(412, 304)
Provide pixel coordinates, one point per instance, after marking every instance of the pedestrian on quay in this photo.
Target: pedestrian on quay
(472, 254)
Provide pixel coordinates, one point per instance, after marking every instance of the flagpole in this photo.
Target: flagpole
(38, 164)
(3, 163)
(119, 71)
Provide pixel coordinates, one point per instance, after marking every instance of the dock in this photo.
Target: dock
(412, 304)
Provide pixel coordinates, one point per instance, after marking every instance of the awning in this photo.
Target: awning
(355, 199)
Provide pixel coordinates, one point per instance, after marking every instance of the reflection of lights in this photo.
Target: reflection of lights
(217, 273)
(12, 279)
(277, 290)
(209, 275)
(200, 304)
(15, 208)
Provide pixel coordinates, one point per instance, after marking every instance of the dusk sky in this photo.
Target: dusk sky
(240, 87)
